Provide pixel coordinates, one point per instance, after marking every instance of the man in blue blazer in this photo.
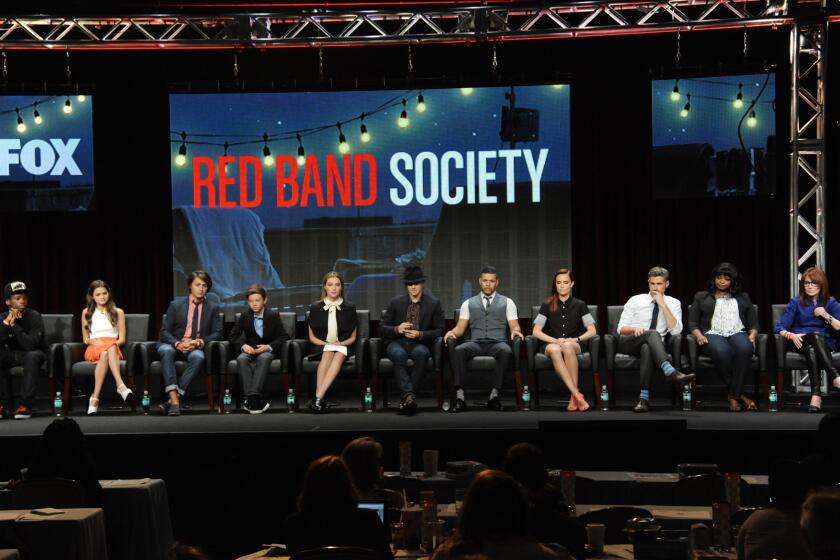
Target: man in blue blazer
(411, 324)
(190, 324)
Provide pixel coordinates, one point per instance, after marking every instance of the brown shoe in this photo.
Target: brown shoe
(749, 404)
(734, 405)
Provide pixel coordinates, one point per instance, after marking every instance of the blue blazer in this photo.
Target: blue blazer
(175, 323)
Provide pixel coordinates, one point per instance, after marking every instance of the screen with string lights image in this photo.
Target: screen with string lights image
(280, 188)
(714, 136)
(46, 153)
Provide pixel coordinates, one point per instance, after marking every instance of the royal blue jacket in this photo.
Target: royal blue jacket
(800, 319)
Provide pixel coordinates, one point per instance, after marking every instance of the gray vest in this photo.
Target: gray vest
(490, 324)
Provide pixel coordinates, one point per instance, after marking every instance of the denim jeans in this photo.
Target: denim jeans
(399, 351)
(168, 355)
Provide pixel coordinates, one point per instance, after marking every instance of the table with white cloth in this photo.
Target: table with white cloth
(137, 518)
(9, 554)
(69, 534)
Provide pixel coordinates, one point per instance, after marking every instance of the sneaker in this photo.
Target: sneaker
(23, 412)
(93, 406)
(260, 407)
(246, 405)
(126, 394)
(174, 410)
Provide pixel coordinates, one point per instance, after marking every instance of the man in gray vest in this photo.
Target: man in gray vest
(488, 315)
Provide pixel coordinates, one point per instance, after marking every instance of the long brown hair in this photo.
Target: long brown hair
(818, 277)
(327, 276)
(91, 304)
(327, 486)
(553, 300)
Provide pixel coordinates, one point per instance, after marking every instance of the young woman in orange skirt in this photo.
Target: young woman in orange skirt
(103, 330)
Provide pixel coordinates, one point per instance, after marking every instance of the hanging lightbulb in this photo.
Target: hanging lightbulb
(363, 131)
(557, 86)
(752, 120)
(68, 107)
(675, 93)
(81, 98)
(402, 122)
(466, 91)
(739, 98)
(181, 158)
(301, 157)
(421, 104)
(686, 108)
(343, 146)
(36, 114)
(226, 146)
(21, 126)
(268, 161)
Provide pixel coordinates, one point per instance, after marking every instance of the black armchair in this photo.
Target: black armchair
(538, 362)
(487, 363)
(354, 364)
(787, 361)
(58, 329)
(223, 356)
(758, 363)
(380, 364)
(626, 362)
(75, 365)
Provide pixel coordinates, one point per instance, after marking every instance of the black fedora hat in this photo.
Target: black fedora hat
(413, 275)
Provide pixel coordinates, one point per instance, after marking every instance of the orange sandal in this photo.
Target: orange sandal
(572, 404)
(581, 402)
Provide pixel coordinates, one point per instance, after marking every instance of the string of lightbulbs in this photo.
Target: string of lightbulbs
(37, 117)
(737, 101)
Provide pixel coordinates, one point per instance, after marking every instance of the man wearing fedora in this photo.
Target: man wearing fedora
(411, 324)
(21, 344)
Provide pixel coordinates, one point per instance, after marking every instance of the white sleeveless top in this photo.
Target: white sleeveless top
(101, 327)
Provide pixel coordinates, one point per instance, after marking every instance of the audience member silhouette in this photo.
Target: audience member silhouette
(820, 513)
(363, 457)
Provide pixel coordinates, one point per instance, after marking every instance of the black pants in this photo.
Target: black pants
(818, 358)
(31, 362)
(731, 356)
(632, 345)
(500, 350)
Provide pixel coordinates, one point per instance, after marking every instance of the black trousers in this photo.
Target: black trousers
(31, 362)
(500, 350)
(818, 357)
(632, 345)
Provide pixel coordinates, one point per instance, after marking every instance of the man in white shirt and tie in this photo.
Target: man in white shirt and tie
(651, 318)
(489, 316)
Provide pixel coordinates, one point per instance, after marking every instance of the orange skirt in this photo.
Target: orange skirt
(99, 345)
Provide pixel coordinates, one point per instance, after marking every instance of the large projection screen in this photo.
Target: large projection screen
(471, 177)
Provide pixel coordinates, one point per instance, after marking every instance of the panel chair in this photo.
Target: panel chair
(353, 365)
(616, 361)
(58, 329)
(75, 365)
(787, 361)
(758, 363)
(486, 363)
(225, 356)
(382, 366)
(539, 363)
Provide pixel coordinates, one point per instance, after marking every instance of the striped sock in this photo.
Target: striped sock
(644, 394)
(667, 368)
(459, 394)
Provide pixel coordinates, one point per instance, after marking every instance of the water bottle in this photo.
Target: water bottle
(290, 401)
(774, 399)
(686, 397)
(58, 403)
(526, 398)
(368, 400)
(226, 401)
(147, 403)
(605, 398)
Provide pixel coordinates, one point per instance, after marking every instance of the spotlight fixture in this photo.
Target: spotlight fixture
(36, 114)
(68, 107)
(421, 104)
(343, 146)
(301, 156)
(739, 98)
(21, 126)
(402, 122)
(181, 158)
(268, 161)
(687, 107)
(675, 93)
(752, 120)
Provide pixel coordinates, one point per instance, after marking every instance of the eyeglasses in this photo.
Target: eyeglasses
(807, 283)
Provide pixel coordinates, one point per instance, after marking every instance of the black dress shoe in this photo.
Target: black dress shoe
(316, 405)
(682, 378)
(408, 406)
(495, 404)
(641, 406)
(460, 406)
(814, 409)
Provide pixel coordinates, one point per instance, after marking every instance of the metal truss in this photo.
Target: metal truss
(807, 149)
(364, 27)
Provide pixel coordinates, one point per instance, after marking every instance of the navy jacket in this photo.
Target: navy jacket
(175, 323)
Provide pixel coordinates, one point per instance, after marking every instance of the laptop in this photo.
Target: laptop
(378, 507)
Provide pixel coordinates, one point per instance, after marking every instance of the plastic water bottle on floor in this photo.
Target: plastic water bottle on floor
(290, 401)
(368, 400)
(526, 398)
(686, 397)
(147, 403)
(227, 401)
(58, 403)
(605, 398)
(774, 399)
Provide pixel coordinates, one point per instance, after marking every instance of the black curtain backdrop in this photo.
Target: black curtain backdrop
(618, 230)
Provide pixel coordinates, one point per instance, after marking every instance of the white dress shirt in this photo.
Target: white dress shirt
(638, 311)
(510, 310)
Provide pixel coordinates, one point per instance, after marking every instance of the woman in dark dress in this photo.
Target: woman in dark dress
(564, 325)
(724, 322)
(332, 332)
(328, 513)
(810, 323)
